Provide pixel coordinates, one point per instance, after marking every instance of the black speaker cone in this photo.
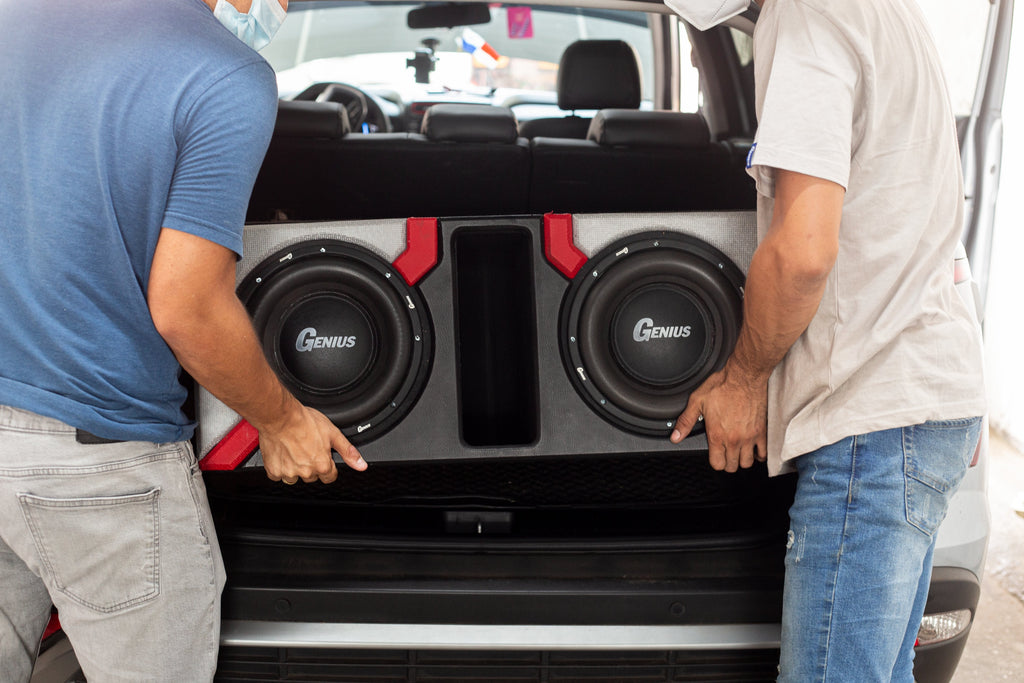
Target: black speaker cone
(345, 334)
(327, 342)
(645, 322)
(660, 334)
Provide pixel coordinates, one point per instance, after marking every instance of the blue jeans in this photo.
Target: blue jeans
(859, 559)
(119, 537)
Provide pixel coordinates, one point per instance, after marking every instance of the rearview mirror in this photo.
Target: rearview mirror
(448, 16)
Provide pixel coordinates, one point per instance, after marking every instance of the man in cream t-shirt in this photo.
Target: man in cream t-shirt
(858, 364)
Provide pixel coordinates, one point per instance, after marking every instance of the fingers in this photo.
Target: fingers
(305, 451)
(327, 473)
(729, 458)
(741, 453)
(716, 454)
(348, 452)
(269, 470)
(321, 468)
(315, 477)
(690, 417)
(735, 423)
(761, 448)
(746, 456)
(732, 449)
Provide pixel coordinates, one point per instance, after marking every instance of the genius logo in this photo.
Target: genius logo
(308, 340)
(646, 330)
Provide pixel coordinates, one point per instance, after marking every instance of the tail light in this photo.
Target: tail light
(936, 628)
(961, 270)
(982, 443)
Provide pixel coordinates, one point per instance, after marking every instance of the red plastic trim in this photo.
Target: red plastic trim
(52, 627)
(559, 248)
(420, 254)
(233, 449)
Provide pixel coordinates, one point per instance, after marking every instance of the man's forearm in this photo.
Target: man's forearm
(779, 304)
(789, 270)
(785, 283)
(218, 347)
(194, 307)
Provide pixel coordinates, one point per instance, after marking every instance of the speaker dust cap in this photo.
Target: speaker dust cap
(327, 342)
(659, 335)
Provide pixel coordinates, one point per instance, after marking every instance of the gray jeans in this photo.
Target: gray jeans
(120, 538)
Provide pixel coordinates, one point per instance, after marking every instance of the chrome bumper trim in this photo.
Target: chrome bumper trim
(499, 637)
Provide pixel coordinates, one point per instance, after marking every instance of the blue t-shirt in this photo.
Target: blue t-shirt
(117, 118)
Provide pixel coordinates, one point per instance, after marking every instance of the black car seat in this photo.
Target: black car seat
(638, 161)
(306, 137)
(592, 74)
(467, 161)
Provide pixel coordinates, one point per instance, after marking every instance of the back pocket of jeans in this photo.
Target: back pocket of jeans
(936, 459)
(103, 553)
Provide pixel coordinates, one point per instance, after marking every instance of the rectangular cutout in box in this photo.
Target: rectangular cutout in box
(496, 336)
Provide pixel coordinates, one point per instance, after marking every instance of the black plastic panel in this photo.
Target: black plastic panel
(467, 666)
(952, 588)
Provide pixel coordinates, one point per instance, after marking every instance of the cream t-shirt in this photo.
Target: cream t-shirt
(852, 91)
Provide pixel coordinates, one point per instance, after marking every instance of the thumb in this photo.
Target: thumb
(348, 452)
(686, 421)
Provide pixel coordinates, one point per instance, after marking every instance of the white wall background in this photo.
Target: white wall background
(1004, 326)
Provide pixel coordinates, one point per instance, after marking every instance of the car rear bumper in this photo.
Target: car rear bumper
(499, 637)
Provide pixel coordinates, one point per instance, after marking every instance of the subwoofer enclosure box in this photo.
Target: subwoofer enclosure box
(496, 375)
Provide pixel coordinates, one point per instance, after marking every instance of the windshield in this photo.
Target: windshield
(369, 44)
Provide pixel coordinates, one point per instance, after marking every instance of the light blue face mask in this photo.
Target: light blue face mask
(256, 28)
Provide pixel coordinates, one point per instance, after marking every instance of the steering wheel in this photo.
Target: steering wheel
(360, 106)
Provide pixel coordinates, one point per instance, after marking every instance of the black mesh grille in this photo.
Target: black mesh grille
(239, 664)
(636, 480)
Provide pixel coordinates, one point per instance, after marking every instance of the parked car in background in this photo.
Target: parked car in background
(499, 245)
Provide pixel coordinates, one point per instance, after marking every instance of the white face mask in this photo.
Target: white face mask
(703, 14)
(256, 28)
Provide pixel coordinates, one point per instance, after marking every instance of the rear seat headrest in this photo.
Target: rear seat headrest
(469, 123)
(599, 74)
(632, 128)
(307, 119)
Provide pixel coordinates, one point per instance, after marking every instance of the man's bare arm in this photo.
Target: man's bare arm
(784, 287)
(192, 301)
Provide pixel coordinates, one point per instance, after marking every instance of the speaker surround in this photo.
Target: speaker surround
(343, 331)
(645, 321)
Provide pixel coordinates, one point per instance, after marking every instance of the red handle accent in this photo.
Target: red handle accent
(52, 626)
(559, 248)
(234, 449)
(420, 253)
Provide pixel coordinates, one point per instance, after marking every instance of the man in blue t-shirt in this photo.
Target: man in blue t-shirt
(132, 132)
